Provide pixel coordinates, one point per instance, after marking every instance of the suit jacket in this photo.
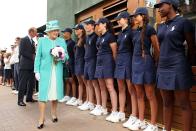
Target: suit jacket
(26, 54)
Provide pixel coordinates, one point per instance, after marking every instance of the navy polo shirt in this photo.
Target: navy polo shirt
(124, 41)
(147, 40)
(104, 43)
(70, 48)
(171, 35)
(90, 46)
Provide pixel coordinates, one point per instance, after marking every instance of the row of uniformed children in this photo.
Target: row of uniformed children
(97, 60)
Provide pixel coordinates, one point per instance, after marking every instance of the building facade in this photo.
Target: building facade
(70, 12)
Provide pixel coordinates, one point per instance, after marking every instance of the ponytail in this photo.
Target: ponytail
(143, 33)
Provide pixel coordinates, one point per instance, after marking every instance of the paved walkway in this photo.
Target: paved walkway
(15, 118)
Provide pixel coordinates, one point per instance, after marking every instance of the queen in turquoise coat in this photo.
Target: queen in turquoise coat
(47, 72)
(44, 64)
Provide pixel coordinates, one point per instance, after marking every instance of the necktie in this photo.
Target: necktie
(32, 42)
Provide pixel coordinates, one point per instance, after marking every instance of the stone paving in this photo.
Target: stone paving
(15, 118)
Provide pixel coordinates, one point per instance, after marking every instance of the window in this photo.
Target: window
(150, 3)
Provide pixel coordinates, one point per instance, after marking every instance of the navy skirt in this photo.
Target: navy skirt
(79, 66)
(89, 69)
(143, 70)
(105, 66)
(123, 68)
(174, 73)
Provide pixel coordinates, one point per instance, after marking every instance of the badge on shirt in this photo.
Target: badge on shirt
(173, 28)
(125, 36)
(102, 41)
(89, 42)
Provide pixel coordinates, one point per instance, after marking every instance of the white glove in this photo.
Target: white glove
(37, 76)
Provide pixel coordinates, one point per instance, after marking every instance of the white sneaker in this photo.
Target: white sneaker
(15, 92)
(72, 100)
(130, 121)
(138, 125)
(119, 117)
(112, 116)
(62, 100)
(151, 127)
(77, 103)
(96, 110)
(65, 99)
(104, 111)
(82, 106)
(88, 106)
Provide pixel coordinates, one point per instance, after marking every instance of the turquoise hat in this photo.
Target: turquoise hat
(52, 25)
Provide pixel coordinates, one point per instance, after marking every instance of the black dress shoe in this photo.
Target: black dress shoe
(40, 126)
(31, 100)
(54, 120)
(21, 104)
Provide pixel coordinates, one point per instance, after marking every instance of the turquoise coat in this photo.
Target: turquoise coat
(43, 64)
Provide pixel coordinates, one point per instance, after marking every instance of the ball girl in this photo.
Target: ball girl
(90, 66)
(79, 63)
(106, 56)
(174, 76)
(123, 68)
(143, 69)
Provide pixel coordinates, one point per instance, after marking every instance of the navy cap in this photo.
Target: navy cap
(123, 14)
(92, 22)
(173, 2)
(67, 30)
(102, 20)
(140, 10)
(78, 26)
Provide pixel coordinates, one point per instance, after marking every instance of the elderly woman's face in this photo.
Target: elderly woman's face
(53, 34)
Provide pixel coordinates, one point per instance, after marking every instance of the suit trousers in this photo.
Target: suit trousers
(26, 84)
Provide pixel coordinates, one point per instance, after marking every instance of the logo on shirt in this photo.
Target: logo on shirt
(89, 42)
(102, 41)
(173, 28)
(125, 36)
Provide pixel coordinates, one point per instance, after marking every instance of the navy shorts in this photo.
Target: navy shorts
(89, 69)
(143, 70)
(79, 67)
(71, 66)
(123, 66)
(104, 66)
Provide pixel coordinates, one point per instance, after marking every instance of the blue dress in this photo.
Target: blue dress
(143, 68)
(124, 55)
(90, 56)
(105, 62)
(79, 60)
(174, 71)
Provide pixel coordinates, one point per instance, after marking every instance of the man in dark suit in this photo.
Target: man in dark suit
(26, 67)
